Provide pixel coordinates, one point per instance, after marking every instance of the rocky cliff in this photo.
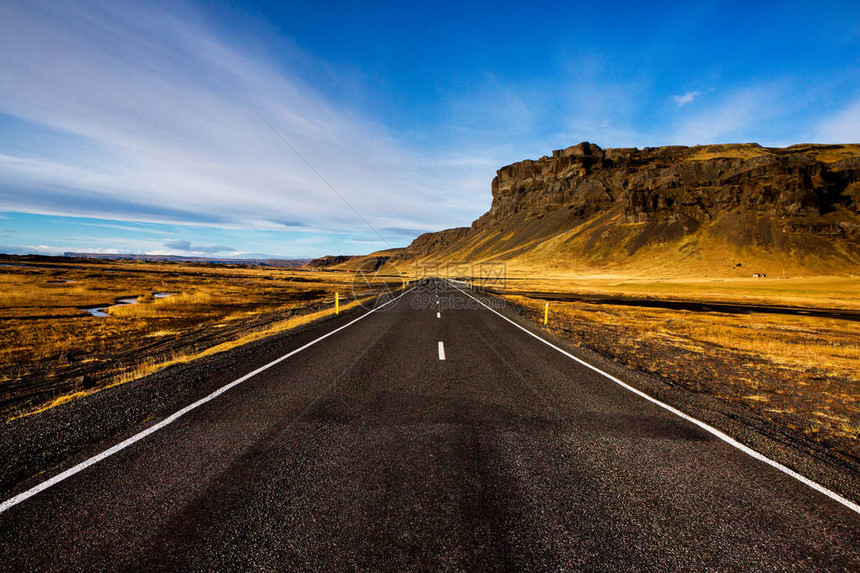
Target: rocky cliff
(366, 263)
(589, 206)
(329, 261)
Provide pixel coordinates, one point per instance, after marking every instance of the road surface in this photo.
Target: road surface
(429, 436)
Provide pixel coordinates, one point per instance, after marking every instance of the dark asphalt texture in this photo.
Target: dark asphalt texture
(365, 451)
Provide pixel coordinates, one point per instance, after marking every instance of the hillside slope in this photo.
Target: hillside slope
(374, 262)
(718, 210)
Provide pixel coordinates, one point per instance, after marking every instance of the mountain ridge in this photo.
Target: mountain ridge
(707, 209)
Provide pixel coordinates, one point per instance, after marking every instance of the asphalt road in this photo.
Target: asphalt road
(367, 450)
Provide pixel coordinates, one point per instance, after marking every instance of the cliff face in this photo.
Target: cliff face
(430, 243)
(364, 263)
(624, 200)
(329, 261)
(692, 185)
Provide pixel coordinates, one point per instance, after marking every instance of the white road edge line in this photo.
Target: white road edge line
(710, 429)
(441, 350)
(13, 501)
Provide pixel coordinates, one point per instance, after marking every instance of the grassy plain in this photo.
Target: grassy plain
(53, 351)
(832, 292)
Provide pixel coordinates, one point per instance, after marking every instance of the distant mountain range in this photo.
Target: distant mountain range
(272, 262)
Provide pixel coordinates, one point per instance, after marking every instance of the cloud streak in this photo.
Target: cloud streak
(686, 98)
(189, 247)
(736, 116)
(171, 110)
(842, 127)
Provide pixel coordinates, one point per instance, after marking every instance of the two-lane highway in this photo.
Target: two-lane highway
(431, 434)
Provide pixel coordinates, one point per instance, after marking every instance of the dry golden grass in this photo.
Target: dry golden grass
(832, 347)
(150, 365)
(792, 342)
(48, 342)
(725, 152)
(749, 151)
(839, 292)
(837, 154)
(800, 372)
(198, 302)
(203, 294)
(54, 403)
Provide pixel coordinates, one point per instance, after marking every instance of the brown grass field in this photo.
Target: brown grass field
(836, 292)
(53, 351)
(798, 374)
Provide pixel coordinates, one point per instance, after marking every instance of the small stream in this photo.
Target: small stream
(102, 311)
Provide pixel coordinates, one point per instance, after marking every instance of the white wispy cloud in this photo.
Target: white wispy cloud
(685, 98)
(841, 127)
(174, 112)
(739, 115)
(185, 246)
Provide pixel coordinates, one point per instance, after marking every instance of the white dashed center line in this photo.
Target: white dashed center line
(441, 350)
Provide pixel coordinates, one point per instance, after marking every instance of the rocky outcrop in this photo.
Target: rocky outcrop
(758, 194)
(429, 243)
(329, 261)
(365, 263)
(678, 183)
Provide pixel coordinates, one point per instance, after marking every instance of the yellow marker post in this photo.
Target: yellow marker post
(546, 314)
(336, 303)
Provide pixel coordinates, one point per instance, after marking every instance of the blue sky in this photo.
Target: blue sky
(151, 127)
